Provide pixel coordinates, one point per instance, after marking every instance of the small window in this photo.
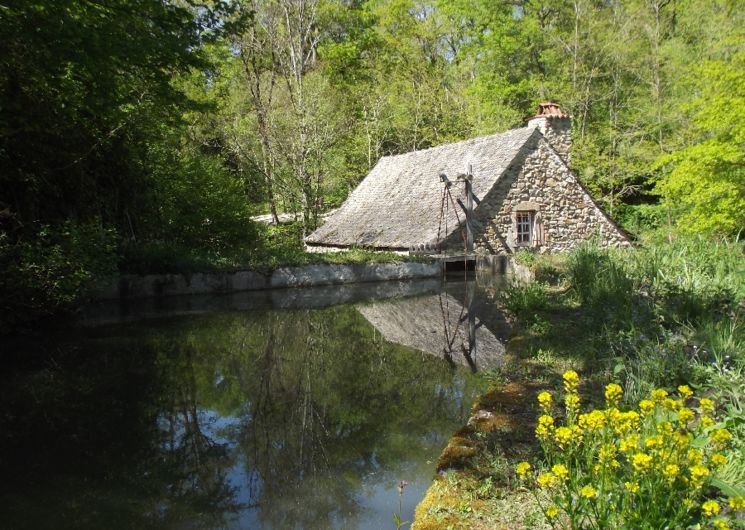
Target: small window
(524, 228)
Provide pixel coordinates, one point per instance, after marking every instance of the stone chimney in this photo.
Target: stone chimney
(556, 126)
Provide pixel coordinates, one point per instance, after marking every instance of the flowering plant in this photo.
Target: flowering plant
(644, 468)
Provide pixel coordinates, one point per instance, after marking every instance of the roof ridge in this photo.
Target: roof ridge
(459, 142)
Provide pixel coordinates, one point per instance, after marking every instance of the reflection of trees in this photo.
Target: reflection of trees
(195, 464)
(307, 402)
(286, 442)
(327, 398)
(111, 437)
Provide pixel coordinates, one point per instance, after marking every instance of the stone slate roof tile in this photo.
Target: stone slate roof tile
(399, 204)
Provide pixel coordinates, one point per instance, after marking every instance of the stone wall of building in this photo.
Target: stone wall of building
(563, 212)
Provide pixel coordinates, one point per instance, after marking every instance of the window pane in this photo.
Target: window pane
(524, 226)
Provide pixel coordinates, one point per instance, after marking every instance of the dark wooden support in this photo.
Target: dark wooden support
(469, 210)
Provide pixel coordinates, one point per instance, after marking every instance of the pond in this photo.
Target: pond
(290, 409)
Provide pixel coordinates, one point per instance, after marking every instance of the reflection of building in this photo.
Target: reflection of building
(438, 325)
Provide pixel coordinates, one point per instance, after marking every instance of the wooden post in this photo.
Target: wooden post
(471, 321)
(469, 210)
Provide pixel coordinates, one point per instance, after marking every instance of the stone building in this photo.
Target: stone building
(524, 196)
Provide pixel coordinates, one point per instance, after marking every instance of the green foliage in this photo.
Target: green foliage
(47, 270)
(643, 361)
(706, 177)
(81, 86)
(524, 300)
(526, 257)
(602, 285)
(271, 247)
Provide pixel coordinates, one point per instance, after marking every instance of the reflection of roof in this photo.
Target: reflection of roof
(438, 325)
(399, 203)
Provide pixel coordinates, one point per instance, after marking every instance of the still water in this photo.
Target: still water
(297, 409)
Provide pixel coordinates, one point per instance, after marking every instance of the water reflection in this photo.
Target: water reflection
(261, 418)
(439, 325)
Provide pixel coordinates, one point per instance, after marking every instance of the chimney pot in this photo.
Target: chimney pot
(556, 127)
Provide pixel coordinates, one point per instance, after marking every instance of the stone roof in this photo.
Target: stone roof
(399, 204)
(437, 325)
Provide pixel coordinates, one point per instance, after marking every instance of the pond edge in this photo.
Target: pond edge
(131, 286)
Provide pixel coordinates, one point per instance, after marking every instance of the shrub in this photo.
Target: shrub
(46, 270)
(526, 257)
(643, 468)
(525, 300)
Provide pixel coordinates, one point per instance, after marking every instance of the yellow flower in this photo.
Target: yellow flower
(523, 469)
(629, 444)
(545, 427)
(563, 436)
(695, 456)
(546, 480)
(683, 438)
(653, 441)
(721, 524)
(706, 405)
(588, 492)
(737, 503)
(642, 462)
(625, 421)
(685, 415)
(613, 394)
(658, 395)
(607, 453)
(545, 401)
(698, 474)
(646, 406)
(718, 460)
(666, 428)
(706, 421)
(552, 511)
(571, 381)
(572, 403)
(576, 433)
(685, 391)
(672, 404)
(594, 421)
(560, 472)
(721, 437)
(633, 487)
(671, 471)
(710, 508)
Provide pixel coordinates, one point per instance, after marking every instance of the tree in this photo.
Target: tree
(707, 177)
(82, 86)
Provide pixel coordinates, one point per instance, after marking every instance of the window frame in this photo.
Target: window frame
(524, 219)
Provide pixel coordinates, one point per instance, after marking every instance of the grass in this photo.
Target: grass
(657, 316)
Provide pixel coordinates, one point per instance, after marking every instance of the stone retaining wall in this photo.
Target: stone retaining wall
(129, 286)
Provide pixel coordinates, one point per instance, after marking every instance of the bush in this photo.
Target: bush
(524, 300)
(645, 468)
(47, 270)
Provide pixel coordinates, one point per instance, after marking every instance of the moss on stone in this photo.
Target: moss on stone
(457, 454)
